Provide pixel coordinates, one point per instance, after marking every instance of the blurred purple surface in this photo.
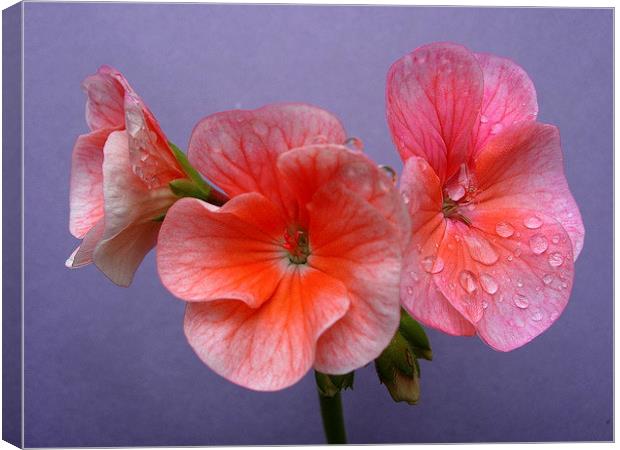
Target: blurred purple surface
(109, 366)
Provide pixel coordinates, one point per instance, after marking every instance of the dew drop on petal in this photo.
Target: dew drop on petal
(485, 304)
(556, 239)
(538, 244)
(405, 197)
(509, 257)
(354, 143)
(484, 119)
(555, 259)
(547, 278)
(488, 283)
(537, 316)
(497, 128)
(504, 229)
(517, 252)
(409, 290)
(467, 281)
(521, 301)
(519, 283)
(431, 264)
(533, 222)
(481, 249)
(413, 275)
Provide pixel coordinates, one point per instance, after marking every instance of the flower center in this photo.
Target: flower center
(458, 196)
(296, 244)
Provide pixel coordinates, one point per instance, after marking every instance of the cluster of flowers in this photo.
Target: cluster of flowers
(307, 250)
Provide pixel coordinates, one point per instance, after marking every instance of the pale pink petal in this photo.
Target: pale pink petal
(419, 295)
(508, 276)
(149, 152)
(83, 255)
(232, 253)
(509, 98)
(307, 169)
(127, 197)
(119, 257)
(271, 347)
(86, 191)
(522, 167)
(434, 96)
(237, 150)
(104, 103)
(351, 241)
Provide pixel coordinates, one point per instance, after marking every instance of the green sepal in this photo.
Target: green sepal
(330, 385)
(398, 369)
(182, 187)
(159, 218)
(189, 169)
(413, 332)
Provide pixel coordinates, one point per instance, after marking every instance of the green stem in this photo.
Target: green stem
(333, 420)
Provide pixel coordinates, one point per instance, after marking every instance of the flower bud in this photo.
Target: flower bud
(399, 371)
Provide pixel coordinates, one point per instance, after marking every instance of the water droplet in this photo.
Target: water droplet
(547, 278)
(497, 128)
(488, 283)
(480, 249)
(405, 197)
(432, 264)
(518, 252)
(354, 144)
(556, 239)
(509, 257)
(555, 259)
(456, 192)
(537, 316)
(409, 290)
(484, 119)
(468, 281)
(485, 304)
(538, 244)
(504, 229)
(521, 301)
(519, 283)
(533, 222)
(564, 284)
(414, 275)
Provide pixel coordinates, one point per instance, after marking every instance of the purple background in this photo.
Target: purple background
(110, 366)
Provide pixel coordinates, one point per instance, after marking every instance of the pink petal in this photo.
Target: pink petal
(237, 150)
(351, 241)
(149, 152)
(419, 295)
(119, 257)
(508, 278)
(127, 197)
(232, 253)
(307, 169)
(271, 347)
(434, 96)
(509, 98)
(86, 192)
(522, 168)
(104, 105)
(83, 255)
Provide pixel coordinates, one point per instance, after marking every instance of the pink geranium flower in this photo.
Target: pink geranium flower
(495, 228)
(301, 267)
(119, 179)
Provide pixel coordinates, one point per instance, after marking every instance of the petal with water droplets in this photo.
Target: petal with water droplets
(434, 95)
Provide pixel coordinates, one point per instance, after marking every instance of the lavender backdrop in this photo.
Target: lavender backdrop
(109, 366)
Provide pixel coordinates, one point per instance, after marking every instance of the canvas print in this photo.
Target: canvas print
(297, 224)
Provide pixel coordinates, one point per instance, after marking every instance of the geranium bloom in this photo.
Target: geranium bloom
(495, 228)
(301, 267)
(119, 179)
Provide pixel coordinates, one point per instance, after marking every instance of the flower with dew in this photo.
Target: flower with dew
(301, 267)
(495, 229)
(120, 178)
